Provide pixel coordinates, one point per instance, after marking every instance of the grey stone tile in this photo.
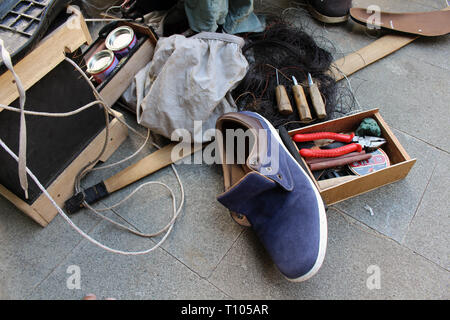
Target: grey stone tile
(28, 252)
(402, 5)
(394, 205)
(428, 232)
(204, 231)
(247, 272)
(156, 275)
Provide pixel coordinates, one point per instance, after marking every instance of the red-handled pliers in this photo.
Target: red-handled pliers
(357, 143)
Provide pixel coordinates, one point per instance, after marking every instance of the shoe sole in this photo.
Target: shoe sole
(327, 19)
(322, 216)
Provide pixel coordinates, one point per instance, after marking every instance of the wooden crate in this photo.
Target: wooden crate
(401, 162)
(120, 79)
(42, 71)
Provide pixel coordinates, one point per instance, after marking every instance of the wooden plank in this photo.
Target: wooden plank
(148, 165)
(375, 51)
(369, 54)
(44, 58)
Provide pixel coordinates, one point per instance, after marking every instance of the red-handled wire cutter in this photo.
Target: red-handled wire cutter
(356, 143)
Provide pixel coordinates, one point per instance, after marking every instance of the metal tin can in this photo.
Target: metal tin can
(101, 64)
(378, 161)
(121, 40)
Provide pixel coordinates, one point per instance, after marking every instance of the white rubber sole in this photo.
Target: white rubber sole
(322, 216)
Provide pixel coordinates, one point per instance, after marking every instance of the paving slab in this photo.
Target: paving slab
(354, 253)
(204, 231)
(394, 205)
(208, 256)
(156, 275)
(382, 84)
(401, 6)
(349, 37)
(29, 253)
(428, 233)
(402, 103)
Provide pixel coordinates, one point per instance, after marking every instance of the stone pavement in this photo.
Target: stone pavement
(208, 256)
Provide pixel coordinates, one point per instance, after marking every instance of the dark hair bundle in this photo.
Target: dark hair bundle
(294, 53)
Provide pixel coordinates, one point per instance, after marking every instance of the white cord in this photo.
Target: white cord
(176, 211)
(6, 57)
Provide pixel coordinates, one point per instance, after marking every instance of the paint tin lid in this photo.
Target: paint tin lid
(100, 61)
(119, 38)
(378, 160)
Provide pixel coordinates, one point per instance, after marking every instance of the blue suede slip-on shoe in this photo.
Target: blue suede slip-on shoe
(267, 189)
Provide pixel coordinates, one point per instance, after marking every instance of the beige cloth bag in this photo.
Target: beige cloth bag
(188, 80)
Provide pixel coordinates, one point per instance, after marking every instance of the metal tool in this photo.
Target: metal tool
(356, 143)
(316, 98)
(301, 102)
(284, 105)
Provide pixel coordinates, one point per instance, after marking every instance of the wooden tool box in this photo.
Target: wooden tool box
(400, 161)
(58, 148)
(122, 76)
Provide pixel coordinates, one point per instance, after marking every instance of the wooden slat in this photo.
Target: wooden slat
(375, 51)
(369, 54)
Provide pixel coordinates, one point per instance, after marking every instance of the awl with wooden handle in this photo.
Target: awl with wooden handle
(284, 105)
(316, 98)
(300, 101)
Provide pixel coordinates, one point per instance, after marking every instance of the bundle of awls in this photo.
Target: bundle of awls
(293, 53)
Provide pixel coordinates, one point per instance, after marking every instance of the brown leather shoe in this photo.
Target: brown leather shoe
(330, 11)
